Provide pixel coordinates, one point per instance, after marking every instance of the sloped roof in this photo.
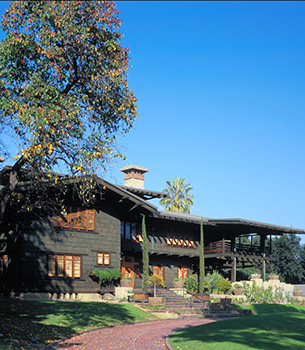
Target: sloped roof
(143, 193)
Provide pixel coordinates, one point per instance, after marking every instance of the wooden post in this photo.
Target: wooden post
(263, 254)
(223, 243)
(233, 249)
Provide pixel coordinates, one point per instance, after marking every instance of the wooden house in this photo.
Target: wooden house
(57, 258)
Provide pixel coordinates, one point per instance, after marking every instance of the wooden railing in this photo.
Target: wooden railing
(217, 247)
(224, 247)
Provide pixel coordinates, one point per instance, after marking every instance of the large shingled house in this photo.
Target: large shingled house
(57, 258)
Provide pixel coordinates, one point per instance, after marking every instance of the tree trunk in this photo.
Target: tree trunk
(201, 260)
(7, 190)
(145, 257)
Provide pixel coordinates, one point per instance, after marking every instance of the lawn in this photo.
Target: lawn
(276, 327)
(42, 322)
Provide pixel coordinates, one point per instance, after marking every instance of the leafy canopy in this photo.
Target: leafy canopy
(179, 197)
(63, 83)
(288, 258)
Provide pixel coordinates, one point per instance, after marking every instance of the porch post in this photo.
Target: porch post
(223, 243)
(263, 254)
(233, 249)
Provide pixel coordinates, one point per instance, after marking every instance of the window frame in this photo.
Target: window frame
(67, 222)
(159, 269)
(131, 229)
(103, 254)
(181, 271)
(62, 264)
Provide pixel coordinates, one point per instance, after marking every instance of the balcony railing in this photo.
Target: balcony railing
(224, 247)
(218, 247)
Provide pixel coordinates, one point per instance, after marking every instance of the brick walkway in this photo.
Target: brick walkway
(140, 336)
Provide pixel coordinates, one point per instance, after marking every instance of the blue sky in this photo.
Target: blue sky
(220, 88)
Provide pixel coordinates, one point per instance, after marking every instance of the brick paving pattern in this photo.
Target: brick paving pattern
(139, 336)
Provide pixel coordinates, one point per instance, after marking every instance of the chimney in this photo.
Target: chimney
(134, 175)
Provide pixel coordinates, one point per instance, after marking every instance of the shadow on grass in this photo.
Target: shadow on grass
(33, 322)
(282, 329)
(272, 308)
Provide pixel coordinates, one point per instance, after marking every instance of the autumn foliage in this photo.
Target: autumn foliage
(63, 83)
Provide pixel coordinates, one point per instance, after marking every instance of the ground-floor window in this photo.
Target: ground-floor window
(158, 270)
(182, 273)
(64, 266)
(103, 258)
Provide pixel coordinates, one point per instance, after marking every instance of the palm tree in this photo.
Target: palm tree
(179, 199)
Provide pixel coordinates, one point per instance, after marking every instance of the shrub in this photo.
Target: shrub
(156, 280)
(256, 294)
(105, 276)
(211, 280)
(191, 284)
(177, 280)
(223, 286)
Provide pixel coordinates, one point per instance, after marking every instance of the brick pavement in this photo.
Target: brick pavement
(139, 336)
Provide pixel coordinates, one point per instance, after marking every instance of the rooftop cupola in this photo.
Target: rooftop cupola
(134, 175)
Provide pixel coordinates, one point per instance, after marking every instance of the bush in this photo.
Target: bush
(191, 284)
(223, 286)
(211, 280)
(156, 280)
(256, 294)
(106, 276)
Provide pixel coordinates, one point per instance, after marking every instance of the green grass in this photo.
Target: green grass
(47, 321)
(276, 327)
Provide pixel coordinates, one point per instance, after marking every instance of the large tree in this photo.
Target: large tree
(63, 88)
(145, 257)
(287, 258)
(201, 260)
(179, 197)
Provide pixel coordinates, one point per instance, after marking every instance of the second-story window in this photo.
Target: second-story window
(79, 219)
(128, 231)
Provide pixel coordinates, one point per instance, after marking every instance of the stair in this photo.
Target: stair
(186, 308)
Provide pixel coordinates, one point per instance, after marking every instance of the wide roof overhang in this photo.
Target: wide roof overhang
(230, 227)
(243, 226)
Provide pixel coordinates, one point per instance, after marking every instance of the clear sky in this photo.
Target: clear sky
(220, 88)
